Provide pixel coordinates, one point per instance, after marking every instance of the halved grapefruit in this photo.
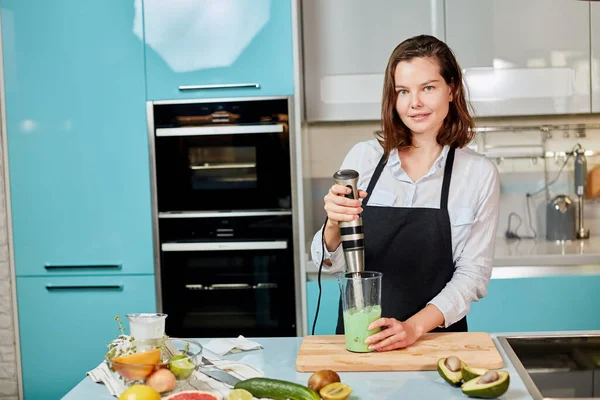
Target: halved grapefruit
(138, 366)
(193, 395)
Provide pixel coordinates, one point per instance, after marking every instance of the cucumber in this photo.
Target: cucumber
(276, 389)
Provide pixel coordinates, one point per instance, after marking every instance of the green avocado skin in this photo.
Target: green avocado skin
(447, 378)
(490, 392)
(472, 373)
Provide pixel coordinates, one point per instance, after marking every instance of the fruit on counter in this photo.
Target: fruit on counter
(139, 392)
(193, 395)
(322, 378)
(490, 385)
(162, 381)
(335, 391)
(276, 389)
(451, 369)
(181, 366)
(469, 373)
(136, 366)
(239, 394)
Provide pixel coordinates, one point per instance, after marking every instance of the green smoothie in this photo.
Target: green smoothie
(356, 323)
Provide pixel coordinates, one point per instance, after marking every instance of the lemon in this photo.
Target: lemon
(140, 392)
(181, 367)
(239, 394)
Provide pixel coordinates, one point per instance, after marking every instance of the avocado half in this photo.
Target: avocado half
(469, 373)
(473, 388)
(452, 377)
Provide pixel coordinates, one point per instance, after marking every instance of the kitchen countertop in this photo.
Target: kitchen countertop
(532, 258)
(278, 358)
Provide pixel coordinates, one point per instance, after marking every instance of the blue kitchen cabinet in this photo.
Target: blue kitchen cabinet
(77, 137)
(328, 311)
(215, 48)
(66, 323)
(538, 304)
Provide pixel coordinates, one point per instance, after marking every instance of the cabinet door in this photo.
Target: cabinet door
(66, 323)
(595, 56)
(347, 44)
(538, 304)
(328, 310)
(216, 48)
(77, 137)
(522, 57)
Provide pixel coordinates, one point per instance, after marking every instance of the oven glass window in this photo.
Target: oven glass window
(222, 168)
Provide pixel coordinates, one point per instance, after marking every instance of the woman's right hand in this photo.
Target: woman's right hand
(340, 208)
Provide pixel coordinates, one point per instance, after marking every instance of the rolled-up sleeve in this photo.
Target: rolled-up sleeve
(338, 263)
(473, 268)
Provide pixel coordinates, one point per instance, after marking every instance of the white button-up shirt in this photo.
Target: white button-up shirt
(472, 206)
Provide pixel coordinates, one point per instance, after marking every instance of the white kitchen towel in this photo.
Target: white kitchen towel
(198, 381)
(224, 346)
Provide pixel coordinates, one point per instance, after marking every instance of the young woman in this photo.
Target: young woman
(429, 204)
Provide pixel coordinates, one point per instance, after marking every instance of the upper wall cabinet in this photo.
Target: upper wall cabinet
(523, 57)
(216, 48)
(595, 57)
(77, 137)
(347, 44)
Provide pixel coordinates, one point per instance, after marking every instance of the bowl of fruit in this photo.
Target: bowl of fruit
(160, 363)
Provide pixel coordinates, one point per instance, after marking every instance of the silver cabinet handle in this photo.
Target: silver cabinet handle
(221, 246)
(84, 287)
(229, 286)
(222, 86)
(50, 267)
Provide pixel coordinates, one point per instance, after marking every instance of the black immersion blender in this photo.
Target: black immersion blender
(352, 235)
(580, 175)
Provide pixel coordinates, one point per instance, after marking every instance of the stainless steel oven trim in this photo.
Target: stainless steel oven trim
(218, 130)
(154, 206)
(217, 100)
(523, 374)
(221, 214)
(225, 246)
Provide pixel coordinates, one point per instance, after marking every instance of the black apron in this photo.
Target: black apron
(412, 247)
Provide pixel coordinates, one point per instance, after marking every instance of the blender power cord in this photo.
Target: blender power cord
(319, 275)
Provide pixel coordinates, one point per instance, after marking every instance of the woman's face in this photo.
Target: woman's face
(423, 95)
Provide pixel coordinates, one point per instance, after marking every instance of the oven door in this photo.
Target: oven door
(230, 167)
(228, 288)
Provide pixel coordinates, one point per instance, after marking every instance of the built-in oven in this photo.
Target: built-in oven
(222, 155)
(225, 275)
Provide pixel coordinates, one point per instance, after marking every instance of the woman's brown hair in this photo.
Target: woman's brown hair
(457, 128)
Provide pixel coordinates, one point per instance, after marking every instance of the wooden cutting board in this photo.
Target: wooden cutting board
(329, 352)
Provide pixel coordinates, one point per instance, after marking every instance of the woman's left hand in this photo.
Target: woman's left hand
(396, 335)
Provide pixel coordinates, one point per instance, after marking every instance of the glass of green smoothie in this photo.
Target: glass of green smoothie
(361, 305)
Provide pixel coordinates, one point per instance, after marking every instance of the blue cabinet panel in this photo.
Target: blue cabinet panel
(512, 305)
(77, 136)
(538, 304)
(65, 324)
(328, 310)
(215, 42)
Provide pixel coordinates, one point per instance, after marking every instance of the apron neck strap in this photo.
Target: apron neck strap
(447, 176)
(445, 184)
(375, 178)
